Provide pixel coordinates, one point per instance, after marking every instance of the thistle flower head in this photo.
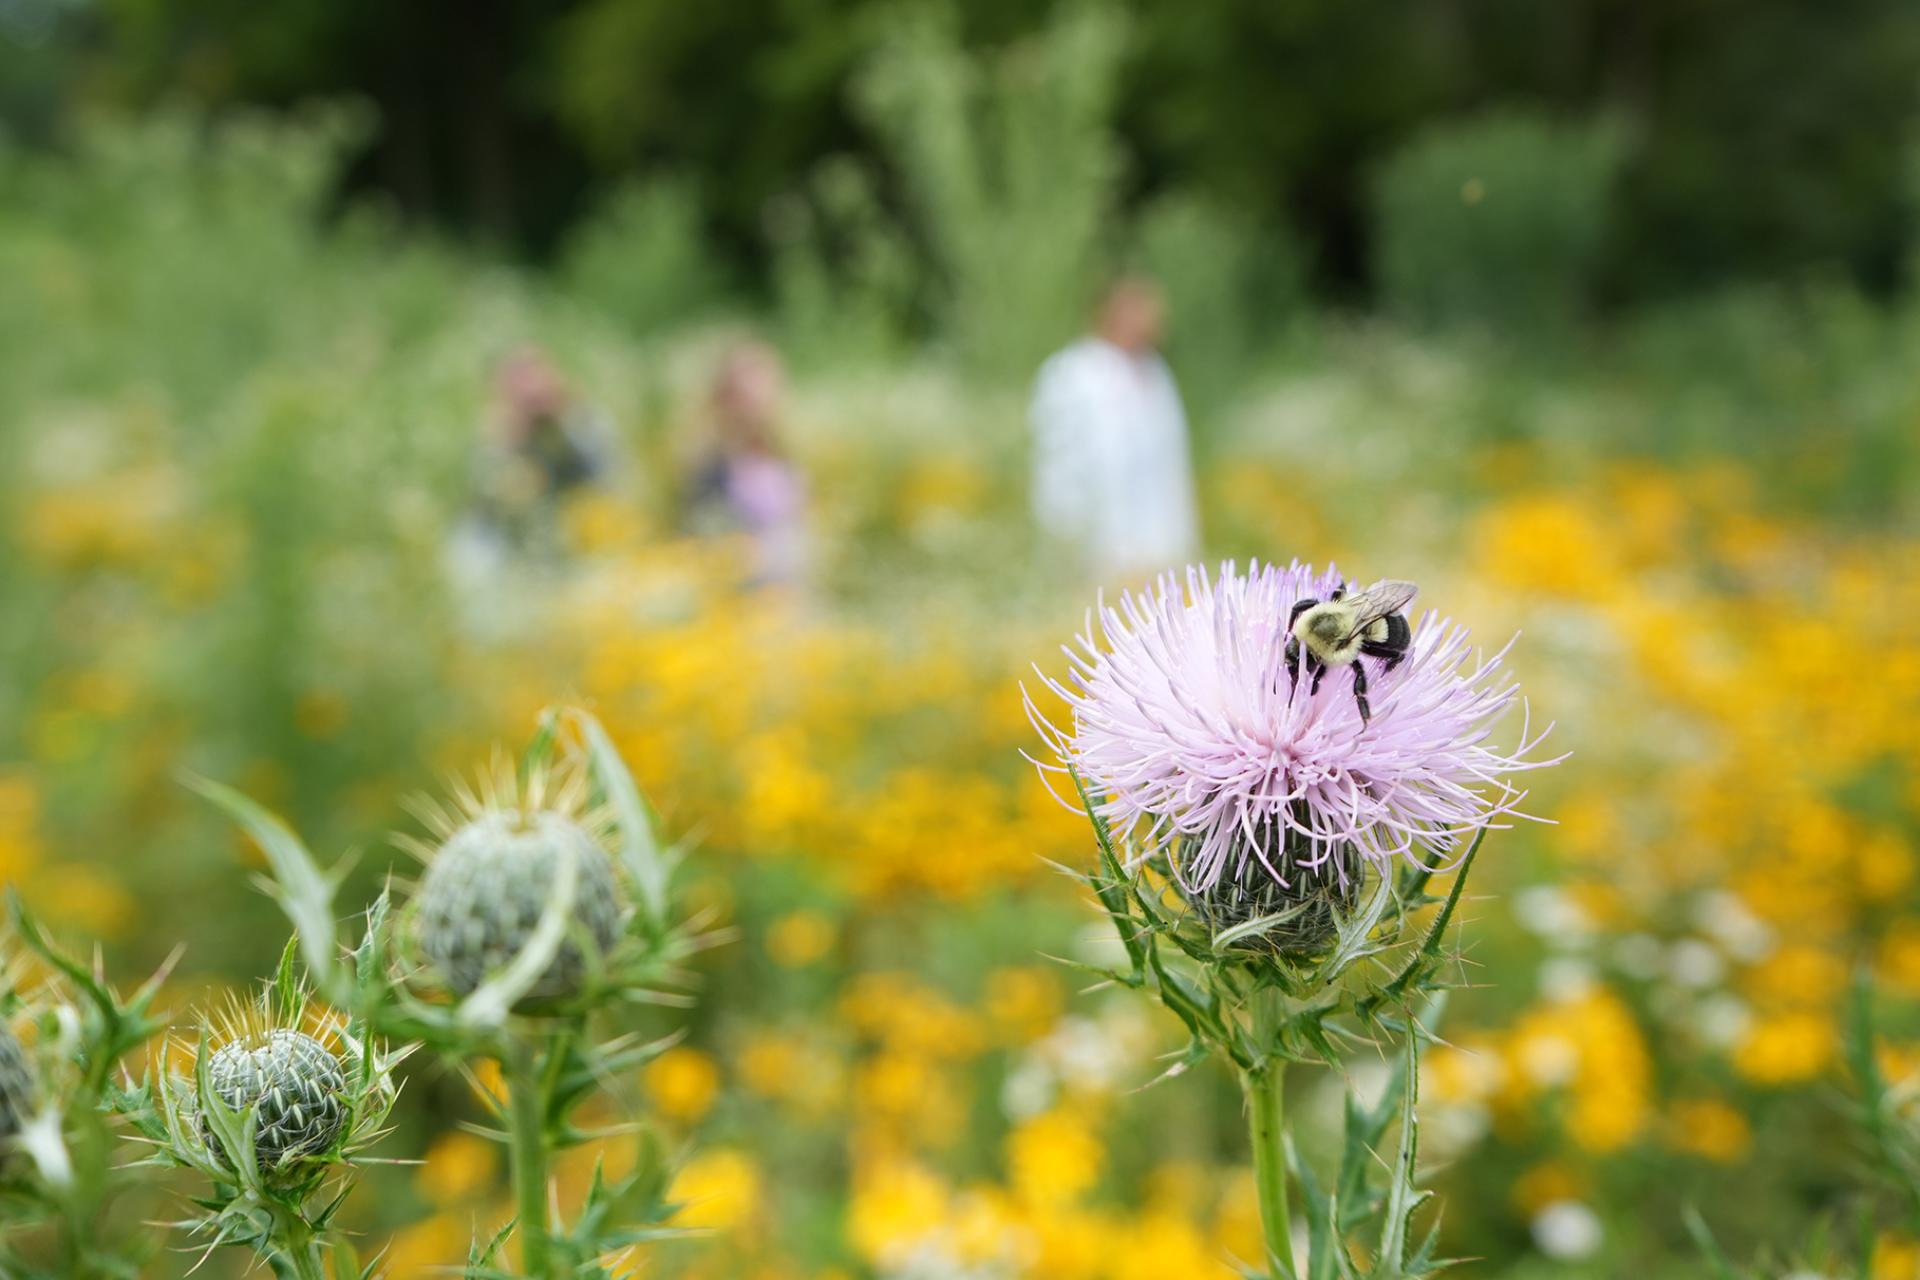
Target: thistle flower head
(502, 848)
(1192, 733)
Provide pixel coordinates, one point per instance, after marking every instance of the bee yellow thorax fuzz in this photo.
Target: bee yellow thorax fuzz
(1326, 631)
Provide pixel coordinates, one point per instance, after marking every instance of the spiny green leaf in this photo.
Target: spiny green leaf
(1703, 1239)
(647, 862)
(304, 892)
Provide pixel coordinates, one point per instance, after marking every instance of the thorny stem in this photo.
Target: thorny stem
(295, 1256)
(527, 1115)
(1265, 1087)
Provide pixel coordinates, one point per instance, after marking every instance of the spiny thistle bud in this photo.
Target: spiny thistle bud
(490, 880)
(17, 1089)
(1303, 915)
(313, 1092)
(294, 1086)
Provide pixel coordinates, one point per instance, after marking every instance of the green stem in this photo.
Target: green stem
(527, 1113)
(1266, 1089)
(296, 1255)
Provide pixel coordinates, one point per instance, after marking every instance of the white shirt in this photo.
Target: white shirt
(1110, 466)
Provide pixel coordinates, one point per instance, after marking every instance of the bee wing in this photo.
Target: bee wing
(1379, 600)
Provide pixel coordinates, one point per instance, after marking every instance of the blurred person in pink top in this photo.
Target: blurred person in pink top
(543, 445)
(746, 483)
(1111, 474)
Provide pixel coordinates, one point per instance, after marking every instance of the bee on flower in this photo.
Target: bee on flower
(1254, 749)
(1196, 732)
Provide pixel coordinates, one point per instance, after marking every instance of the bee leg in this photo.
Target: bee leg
(1390, 656)
(1292, 652)
(1319, 674)
(1360, 692)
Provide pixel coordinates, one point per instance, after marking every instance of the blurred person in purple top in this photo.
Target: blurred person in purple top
(746, 484)
(1111, 475)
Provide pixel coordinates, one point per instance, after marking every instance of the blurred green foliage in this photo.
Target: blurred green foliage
(1010, 170)
(1236, 289)
(1771, 134)
(1495, 222)
(643, 257)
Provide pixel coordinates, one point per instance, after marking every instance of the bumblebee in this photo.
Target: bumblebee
(1340, 630)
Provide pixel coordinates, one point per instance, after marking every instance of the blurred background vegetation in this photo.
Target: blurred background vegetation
(1765, 137)
(1595, 318)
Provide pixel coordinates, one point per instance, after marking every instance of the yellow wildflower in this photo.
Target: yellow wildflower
(1710, 1129)
(1053, 1158)
(719, 1189)
(1786, 1048)
(682, 1083)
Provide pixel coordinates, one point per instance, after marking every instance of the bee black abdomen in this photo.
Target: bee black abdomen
(1392, 647)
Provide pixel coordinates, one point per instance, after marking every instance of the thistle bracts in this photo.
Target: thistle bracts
(18, 1090)
(293, 1086)
(1254, 914)
(487, 886)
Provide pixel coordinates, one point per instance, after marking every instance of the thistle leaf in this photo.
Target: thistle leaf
(303, 891)
(648, 863)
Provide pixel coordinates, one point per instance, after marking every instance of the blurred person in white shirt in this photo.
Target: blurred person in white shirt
(1111, 474)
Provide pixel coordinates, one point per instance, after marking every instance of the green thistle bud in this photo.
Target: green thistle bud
(17, 1091)
(487, 886)
(293, 1084)
(1309, 905)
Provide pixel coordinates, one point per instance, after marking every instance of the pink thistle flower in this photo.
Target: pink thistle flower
(1189, 731)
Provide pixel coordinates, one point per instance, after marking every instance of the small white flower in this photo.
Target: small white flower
(1695, 964)
(1640, 955)
(1029, 1089)
(1725, 918)
(1550, 1060)
(1568, 1231)
(1454, 1128)
(1084, 1055)
(1722, 1020)
(1564, 978)
(1548, 912)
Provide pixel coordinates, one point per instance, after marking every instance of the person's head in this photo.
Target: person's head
(1132, 314)
(529, 387)
(749, 385)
